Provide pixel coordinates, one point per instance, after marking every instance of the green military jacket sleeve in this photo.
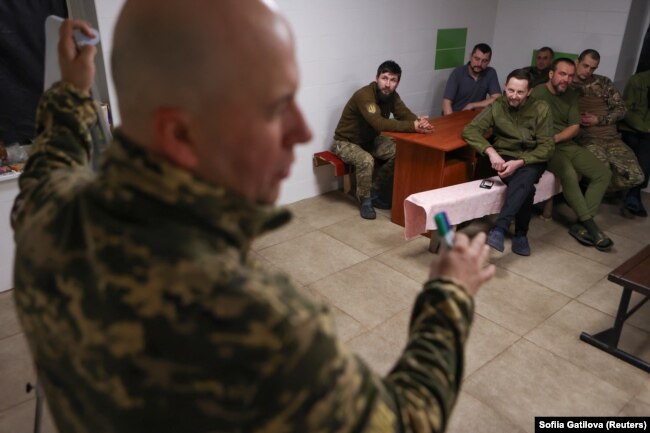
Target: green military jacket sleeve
(145, 313)
(525, 133)
(637, 100)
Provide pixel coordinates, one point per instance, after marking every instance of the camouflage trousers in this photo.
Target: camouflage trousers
(626, 171)
(363, 160)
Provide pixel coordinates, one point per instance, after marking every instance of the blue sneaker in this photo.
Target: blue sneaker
(520, 245)
(495, 239)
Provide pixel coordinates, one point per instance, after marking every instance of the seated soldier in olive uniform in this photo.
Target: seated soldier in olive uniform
(570, 162)
(523, 143)
(543, 60)
(357, 139)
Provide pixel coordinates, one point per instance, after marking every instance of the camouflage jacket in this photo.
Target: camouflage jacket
(144, 314)
(599, 86)
(364, 117)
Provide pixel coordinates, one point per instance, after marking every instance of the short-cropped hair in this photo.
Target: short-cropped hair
(520, 74)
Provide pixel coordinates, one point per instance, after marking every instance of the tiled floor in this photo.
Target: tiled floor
(524, 357)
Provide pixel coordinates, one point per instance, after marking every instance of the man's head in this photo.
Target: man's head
(587, 64)
(544, 58)
(388, 76)
(561, 75)
(480, 58)
(517, 87)
(216, 100)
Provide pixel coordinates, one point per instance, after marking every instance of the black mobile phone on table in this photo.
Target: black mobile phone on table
(486, 183)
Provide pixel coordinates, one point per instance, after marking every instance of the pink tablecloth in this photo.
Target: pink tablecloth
(464, 202)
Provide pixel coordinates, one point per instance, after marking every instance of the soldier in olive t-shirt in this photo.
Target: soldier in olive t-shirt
(570, 162)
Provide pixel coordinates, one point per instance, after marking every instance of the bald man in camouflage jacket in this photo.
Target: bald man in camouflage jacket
(134, 286)
(601, 107)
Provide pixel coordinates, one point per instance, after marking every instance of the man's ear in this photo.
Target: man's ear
(173, 137)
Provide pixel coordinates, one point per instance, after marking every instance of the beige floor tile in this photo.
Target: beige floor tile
(311, 257)
(636, 408)
(20, 419)
(486, 341)
(371, 237)
(396, 329)
(472, 415)
(326, 209)
(540, 228)
(378, 353)
(412, 259)
(605, 296)
(517, 303)
(295, 228)
(9, 324)
(560, 335)
(346, 327)
(610, 220)
(369, 292)
(15, 371)
(556, 269)
(644, 396)
(526, 381)
(621, 251)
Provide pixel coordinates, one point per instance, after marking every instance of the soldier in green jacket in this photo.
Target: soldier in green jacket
(601, 107)
(523, 143)
(134, 286)
(570, 161)
(358, 140)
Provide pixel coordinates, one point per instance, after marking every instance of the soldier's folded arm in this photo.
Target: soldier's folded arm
(380, 123)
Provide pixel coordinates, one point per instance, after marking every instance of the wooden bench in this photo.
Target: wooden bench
(341, 169)
(634, 276)
(465, 202)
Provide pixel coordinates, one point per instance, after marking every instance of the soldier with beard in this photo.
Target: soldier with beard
(357, 139)
(523, 143)
(571, 161)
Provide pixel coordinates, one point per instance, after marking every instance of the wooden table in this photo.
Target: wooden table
(634, 276)
(429, 161)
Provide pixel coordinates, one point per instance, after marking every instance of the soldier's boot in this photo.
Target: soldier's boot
(379, 200)
(366, 209)
(634, 205)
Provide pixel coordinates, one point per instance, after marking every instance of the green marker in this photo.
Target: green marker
(444, 228)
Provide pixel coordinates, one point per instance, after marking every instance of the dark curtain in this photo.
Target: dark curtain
(22, 57)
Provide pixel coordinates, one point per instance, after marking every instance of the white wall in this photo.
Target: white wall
(637, 25)
(107, 13)
(565, 25)
(340, 43)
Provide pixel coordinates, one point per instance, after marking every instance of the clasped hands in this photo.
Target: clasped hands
(422, 125)
(588, 119)
(502, 167)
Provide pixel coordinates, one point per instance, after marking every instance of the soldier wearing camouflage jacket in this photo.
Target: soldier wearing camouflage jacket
(143, 310)
(601, 107)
